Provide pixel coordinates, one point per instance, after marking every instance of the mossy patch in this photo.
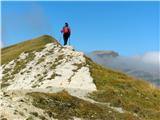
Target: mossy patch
(30, 118)
(40, 60)
(6, 70)
(34, 114)
(4, 119)
(4, 84)
(5, 79)
(21, 64)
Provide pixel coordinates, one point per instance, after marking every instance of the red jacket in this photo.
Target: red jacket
(66, 30)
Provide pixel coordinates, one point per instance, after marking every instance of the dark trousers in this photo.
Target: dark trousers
(65, 38)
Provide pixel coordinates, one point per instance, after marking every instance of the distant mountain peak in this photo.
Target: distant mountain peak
(103, 53)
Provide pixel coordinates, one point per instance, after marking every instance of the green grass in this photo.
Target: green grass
(136, 96)
(64, 106)
(12, 52)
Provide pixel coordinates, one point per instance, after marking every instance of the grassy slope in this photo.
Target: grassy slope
(11, 52)
(64, 106)
(136, 96)
(114, 87)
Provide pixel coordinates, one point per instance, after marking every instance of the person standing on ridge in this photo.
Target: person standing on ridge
(66, 33)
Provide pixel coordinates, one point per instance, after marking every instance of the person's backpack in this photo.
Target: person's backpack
(66, 30)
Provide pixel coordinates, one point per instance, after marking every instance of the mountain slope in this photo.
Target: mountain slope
(130, 65)
(51, 82)
(120, 90)
(11, 52)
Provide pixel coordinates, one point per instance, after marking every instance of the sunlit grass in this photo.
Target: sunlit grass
(12, 52)
(121, 90)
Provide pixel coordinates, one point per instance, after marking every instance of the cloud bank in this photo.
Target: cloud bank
(146, 66)
(149, 58)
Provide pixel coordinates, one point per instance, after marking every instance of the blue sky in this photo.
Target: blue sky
(129, 28)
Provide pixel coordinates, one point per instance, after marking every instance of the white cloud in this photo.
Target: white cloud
(149, 58)
(146, 66)
(152, 57)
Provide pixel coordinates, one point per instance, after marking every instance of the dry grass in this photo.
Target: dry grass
(136, 96)
(12, 52)
(64, 107)
(119, 89)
